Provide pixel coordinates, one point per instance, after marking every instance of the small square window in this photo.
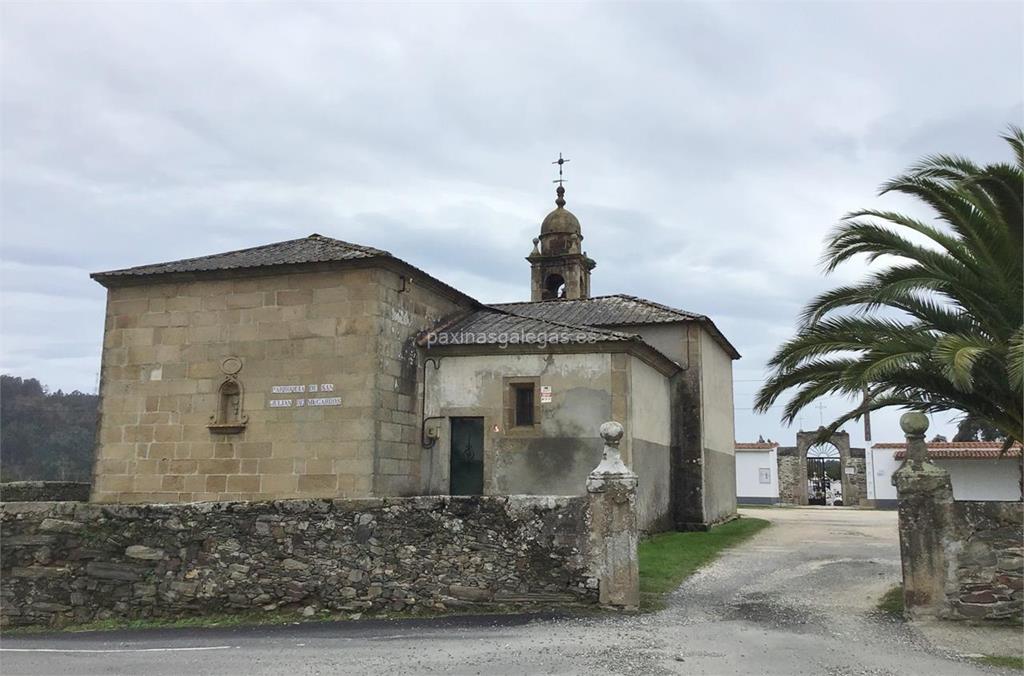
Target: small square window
(523, 402)
(765, 475)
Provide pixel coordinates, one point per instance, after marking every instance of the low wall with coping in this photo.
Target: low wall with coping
(74, 562)
(35, 491)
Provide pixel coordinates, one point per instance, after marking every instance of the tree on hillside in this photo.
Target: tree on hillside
(937, 325)
(45, 436)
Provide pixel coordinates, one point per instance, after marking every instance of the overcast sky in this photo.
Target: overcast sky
(713, 146)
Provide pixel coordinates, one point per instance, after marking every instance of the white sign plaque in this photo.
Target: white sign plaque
(318, 388)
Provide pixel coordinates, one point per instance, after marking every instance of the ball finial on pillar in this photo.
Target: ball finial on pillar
(611, 432)
(914, 424)
(611, 468)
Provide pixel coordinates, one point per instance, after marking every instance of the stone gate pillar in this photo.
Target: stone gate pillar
(925, 515)
(614, 537)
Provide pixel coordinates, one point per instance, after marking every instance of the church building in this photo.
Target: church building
(317, 368)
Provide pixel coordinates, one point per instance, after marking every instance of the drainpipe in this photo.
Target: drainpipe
(874, 486)
(427, 441)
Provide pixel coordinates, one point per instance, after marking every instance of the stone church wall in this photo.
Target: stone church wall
(77, 562)
(406, 308)
(650, 436)
(704, 468)
(552, 457)
(346, 329)
(717, 411)
(163, 352)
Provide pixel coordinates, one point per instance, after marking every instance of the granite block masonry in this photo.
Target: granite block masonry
(961, 560)
(65, 562)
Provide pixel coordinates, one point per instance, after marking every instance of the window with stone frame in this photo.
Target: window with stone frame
(523, 400)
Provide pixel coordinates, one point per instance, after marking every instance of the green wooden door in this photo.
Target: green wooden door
(467, 456)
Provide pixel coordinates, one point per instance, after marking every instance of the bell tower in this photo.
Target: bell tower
(559, 266)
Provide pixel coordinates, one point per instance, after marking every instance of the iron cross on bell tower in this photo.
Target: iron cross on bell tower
(560, 161)
(560, 180)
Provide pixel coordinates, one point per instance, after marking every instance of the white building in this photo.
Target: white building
(757, 473)
(976, 470)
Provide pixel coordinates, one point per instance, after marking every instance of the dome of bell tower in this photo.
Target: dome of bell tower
(561, 220)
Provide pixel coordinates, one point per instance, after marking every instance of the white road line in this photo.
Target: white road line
(115, 650)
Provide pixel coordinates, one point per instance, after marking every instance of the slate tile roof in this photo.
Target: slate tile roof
(590, 319)
(958, 450)
(615, 310)
(313, 249)
(601, 311)
(492, 327)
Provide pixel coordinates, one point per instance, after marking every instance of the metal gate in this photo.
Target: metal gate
(823, 478)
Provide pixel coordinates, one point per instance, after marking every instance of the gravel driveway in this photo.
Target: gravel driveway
(798, 598)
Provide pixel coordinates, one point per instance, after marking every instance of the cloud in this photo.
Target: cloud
(713, 145)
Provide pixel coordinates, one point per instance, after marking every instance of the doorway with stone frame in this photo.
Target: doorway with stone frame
(795, 485)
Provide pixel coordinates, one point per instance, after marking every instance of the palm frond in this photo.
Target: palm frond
(938, 325)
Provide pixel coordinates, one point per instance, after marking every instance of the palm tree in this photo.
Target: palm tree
(939, 325)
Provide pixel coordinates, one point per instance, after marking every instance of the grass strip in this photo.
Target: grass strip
(891, 602)
(669, 558)
(1004, 661)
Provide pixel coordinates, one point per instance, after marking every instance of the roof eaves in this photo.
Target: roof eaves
(692, 316)
(153, 269)
(683, 314)
(141, 274)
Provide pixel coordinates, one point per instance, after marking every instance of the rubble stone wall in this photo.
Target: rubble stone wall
(855, 485)
(67, 562)
(789, 476)
(985, 561)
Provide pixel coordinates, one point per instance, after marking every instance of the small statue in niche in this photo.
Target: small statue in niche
(229, 418)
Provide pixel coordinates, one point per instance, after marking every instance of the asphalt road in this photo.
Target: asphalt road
(797, 599)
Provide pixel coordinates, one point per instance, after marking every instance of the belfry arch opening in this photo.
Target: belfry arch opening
(554, 287)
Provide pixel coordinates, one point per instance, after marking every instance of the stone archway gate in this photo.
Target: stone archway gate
(793, 468)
